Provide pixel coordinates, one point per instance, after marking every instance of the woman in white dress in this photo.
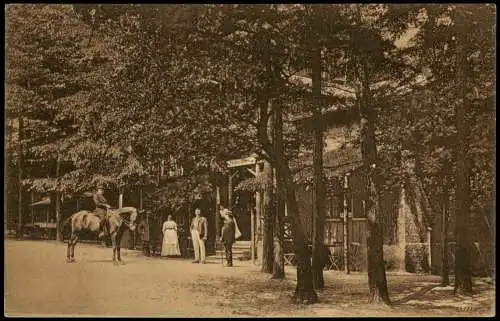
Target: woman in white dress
(170, 246)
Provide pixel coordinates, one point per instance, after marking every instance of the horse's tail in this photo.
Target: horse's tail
(63, 224)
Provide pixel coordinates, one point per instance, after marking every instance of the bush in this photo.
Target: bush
(416, 258)
(391, 253)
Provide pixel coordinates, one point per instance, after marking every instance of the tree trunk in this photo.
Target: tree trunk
(268, 228)
(377, 281)
(318, 177)
(304, 291)
(266, 135)
(20, 164)
(445, 280)
(279, 262)
(463, 273)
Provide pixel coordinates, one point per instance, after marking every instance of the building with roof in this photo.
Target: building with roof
(406, 219)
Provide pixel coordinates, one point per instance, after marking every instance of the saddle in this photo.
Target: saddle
(104, 216)
(86, 217)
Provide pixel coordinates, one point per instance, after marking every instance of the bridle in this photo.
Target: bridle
(128, 223)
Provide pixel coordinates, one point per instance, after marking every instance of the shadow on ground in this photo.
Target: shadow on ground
(256, 294)
(442, 299)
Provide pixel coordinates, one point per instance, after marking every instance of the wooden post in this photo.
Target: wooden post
(120, 198)
(32, 209)
(429, 247)
(255, 215)
(252, 219)
(252, 235)
(140, 198)
(127, 235)
(217, 219)
(445, 280)
(20, 169)
(258, 214)
(346, 229)
(134, 234)
(230, 192)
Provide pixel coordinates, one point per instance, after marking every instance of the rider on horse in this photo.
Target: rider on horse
(101, 209)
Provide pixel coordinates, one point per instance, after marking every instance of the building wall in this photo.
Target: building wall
(334, 229)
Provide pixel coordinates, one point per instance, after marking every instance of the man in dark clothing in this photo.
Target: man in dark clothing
(149, 231)
(228, 234)
(144, 230)
(101, 209)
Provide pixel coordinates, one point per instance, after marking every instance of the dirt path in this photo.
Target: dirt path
(39, 282)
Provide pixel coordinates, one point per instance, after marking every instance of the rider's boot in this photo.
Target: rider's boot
(101, 229)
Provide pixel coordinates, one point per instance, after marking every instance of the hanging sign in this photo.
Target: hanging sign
(241, 162)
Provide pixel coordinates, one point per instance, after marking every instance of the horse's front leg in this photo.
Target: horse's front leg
(68, 252)
(118, 247)
(113, 242)
(72, 244)
(73, 248)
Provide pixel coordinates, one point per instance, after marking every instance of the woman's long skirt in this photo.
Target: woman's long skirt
(170, 246)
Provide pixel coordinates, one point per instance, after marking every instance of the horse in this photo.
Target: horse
(117, 221)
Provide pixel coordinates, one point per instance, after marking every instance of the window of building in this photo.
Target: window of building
(358, 208)
(334, 206)
(357, 187)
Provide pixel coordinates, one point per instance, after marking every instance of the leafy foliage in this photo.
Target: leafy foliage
(113, 90)
(423, 123)
(51, 75)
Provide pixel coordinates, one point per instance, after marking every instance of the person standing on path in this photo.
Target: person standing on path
(143, 229)
(228, 234)
(199, 234)
(170, 245)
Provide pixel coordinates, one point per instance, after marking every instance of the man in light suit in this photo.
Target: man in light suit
(199, 235)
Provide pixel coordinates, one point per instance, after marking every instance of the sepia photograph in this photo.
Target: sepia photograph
(250, 160)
